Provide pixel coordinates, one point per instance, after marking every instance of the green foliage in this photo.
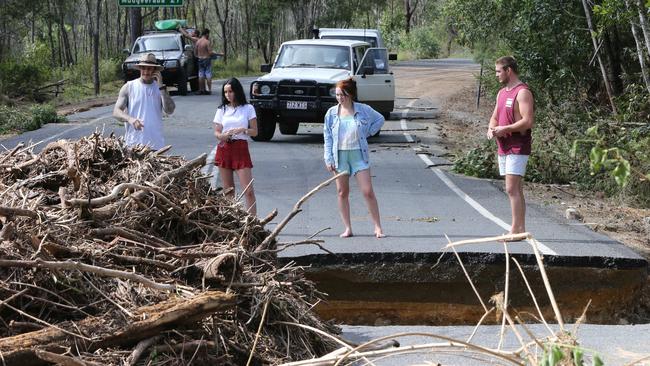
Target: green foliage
(565, 354)
(480, 161)
(422, 41)
(16, 120)
(391, 26)
(236, 67)
(45, 113)
(18, 78)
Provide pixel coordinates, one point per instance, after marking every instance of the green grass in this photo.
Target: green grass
(236, 67)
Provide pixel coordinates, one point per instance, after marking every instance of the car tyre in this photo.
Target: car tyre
(265, 125)
(194, 84)
(289, 128)
(182, 83)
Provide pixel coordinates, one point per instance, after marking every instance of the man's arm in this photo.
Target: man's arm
(168, 104)
(119, 111)
(493, 121)
(184, 32)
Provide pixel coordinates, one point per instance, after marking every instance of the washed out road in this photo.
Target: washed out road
(420, 203)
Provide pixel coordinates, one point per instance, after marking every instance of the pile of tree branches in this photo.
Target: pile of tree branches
(111, 255)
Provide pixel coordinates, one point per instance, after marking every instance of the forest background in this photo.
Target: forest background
(586, 62)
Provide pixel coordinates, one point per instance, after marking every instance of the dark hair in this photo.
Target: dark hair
(508, 62)
(349, 87)
(206, 32)
(240, 96)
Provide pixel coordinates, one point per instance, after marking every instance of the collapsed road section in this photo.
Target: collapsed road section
(433, 288)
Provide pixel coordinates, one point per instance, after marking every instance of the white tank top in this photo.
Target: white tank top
(145, 104)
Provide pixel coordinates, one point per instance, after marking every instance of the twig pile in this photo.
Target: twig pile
(110, 255)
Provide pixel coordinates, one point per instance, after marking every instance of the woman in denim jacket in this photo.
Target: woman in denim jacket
(347, 126)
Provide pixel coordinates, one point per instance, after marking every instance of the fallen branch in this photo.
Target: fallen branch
(104, 272)
(294, 212)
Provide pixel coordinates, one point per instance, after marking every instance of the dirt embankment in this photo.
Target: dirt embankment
(461, 123)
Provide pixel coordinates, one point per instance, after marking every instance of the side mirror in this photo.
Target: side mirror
(368, 70)
(126, 51)
(188, 47)
(392, 56)
(265, 68)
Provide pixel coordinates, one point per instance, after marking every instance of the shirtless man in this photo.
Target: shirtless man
(204, 53)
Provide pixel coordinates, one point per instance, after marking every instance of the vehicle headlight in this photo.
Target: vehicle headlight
(333, 92)
(130, 66)
(265, 89)
(171, 64)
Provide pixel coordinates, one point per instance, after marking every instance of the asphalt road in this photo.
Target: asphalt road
(420, 203)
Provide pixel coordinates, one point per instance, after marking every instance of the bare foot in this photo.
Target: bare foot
(346, 234)
(379, 234)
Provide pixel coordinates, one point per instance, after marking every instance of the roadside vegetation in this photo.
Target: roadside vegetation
(592, 108)
(62, 51)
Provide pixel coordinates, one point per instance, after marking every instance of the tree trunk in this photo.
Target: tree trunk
(643, 20)
(408, 13)
(135, 16)
(151, 321)
(98, 12)
(247, 9)
(613, 52)
(49, 33)
(223, 17)
(65, 46)
(639, 51)
(75, 40)
(603, 72)
(107, 32)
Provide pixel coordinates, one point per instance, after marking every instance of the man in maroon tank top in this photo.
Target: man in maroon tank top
(511, 124)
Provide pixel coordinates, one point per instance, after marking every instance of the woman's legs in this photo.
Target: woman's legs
(245, 178)
(343, 191)
(365, 184)
(227, 180)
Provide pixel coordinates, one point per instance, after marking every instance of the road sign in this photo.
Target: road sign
(149, 3)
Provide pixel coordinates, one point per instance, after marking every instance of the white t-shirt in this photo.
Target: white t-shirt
(239, 116)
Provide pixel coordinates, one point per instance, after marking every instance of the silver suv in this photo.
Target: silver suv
(172, 51)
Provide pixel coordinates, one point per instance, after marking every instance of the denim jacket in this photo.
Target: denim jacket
(368, 121)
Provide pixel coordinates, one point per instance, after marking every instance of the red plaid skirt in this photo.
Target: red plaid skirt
(233, 155)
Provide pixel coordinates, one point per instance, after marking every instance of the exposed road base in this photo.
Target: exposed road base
(410, 288)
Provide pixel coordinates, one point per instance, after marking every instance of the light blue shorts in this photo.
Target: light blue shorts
(513, 164)
(351, 162)
(205, 68)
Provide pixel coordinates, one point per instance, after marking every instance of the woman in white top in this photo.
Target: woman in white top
(234, 122)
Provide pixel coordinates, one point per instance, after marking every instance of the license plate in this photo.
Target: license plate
(296, 105)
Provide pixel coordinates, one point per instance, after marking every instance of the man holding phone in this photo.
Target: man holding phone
(140, 105)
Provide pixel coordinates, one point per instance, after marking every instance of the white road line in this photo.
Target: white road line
(443, 177)
(75, 128)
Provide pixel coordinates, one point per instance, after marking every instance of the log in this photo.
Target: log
(20, 349)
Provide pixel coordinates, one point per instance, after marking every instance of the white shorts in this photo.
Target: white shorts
(513, 164)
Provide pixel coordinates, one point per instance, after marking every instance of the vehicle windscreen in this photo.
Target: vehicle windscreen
(371, 40)
(304, 55)
(151, 44)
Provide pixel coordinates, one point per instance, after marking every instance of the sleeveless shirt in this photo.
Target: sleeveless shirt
(518, 143)
(145, 103)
